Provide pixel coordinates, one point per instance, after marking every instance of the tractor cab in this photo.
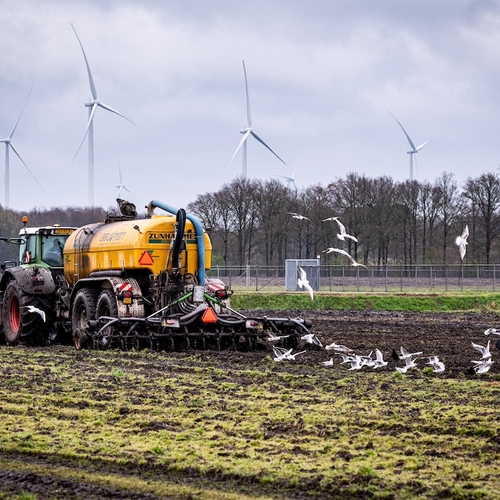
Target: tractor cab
(41, 246)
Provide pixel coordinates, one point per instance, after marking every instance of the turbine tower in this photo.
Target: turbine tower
(414, 150)
(92, 104)
(8, 145)
(247, 131)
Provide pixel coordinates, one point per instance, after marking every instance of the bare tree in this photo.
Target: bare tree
(484, 195)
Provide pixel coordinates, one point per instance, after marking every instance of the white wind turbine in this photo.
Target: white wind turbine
(92, 104)
(247, 131)
(414, 150)
(121, 185)
(289, 180)
(8, 145)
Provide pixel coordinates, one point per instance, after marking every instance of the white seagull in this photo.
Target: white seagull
(494, 331)
(343, 233)
(379, 360)
(461, 241)
(343, 252)
(485, 351)
(482, 366)
(295, 215)
(327, 363)
(406, 355)
(303, 282)
(437, 365)
(409, 363)
(311, 338)
(338, 348)
(34, 309)
(280, 353)
(272, 337)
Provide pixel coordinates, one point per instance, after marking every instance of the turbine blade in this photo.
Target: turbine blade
(407, 136)
(263, 143)
(91, 80)
(22, 111)
(27, 168)
(91, 117)
(243, 139)
(422, 145)
(249, 117)
(109, 108)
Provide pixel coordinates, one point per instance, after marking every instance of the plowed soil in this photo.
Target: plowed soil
(447, 335)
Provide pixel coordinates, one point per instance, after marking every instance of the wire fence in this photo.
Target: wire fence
(376, 279)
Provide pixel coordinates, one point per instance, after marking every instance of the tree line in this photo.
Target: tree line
(249, 221)
(409, 222)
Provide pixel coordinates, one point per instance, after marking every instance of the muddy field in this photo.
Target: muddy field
(447, 335)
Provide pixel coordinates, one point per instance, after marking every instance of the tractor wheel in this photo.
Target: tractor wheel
(22, 325)
(84, 308)
(107, 306)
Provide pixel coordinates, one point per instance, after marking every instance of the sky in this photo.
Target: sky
(322, 76)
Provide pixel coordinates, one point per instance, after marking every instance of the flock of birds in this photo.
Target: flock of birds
(302, 281)
(375, 359)
(358, 361)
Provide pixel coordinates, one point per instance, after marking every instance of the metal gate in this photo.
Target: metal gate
(311, 268)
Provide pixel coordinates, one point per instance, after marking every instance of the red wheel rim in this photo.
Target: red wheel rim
(15, 315)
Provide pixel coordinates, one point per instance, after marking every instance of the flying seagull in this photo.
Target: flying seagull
(414, 150)
(343, 252)
(484, 350)
(303, 282)
(311, 338)
(343, 234)
(379, 360)
(461, 241)
(248, 131)
(482, 366)
(295, 215)
(36, 310)
(494, 331)
(406, 355)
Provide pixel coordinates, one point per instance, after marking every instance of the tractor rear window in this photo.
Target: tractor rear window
(52, 250)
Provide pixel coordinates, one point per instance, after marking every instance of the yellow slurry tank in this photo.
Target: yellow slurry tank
(140, 245)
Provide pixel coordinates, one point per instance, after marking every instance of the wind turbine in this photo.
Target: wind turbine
(289, 180)
(247, 131)
(8, 146)
(414, 150)
(121, 185)
(92, 104)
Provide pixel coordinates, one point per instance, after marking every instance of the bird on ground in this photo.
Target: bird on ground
(291, 356)
(311, 338)
(379, 359)
(406, 355)
(343, 252)
(343, 233)
(482, 366)
(295, 215)
(493, 331)
(484, 350)
(461, 241)
(33, 309)
(327, 363)
(303, 282)
(338, 348)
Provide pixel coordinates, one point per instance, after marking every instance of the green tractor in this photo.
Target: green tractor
(28, 286)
